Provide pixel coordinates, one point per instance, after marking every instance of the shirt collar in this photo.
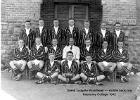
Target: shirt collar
(39, 45)
(71, 26)
(87, 46)
(21, 48)
(86, 28)
(56, 27)
(27, 29)
(117, 30)
(70, 60)
(41, 26)
(103, 29)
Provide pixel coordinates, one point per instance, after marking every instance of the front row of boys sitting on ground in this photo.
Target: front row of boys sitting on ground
(70, 70)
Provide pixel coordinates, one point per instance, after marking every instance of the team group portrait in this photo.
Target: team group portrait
(73, 53)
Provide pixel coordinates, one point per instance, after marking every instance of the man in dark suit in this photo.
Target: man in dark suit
(88, 49)
(20, 60)
(58, 33)
(69, 69)
(42, 32)
(121, 56)
(103, 35)
(105, 60)
(72, 32)
(87, 33)
(55, 49)
(36, 59)
(117, 35)
(89, 71)
(28, 35)
(51, 70)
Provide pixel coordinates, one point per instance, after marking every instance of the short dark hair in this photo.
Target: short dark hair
(120, 41)
(51, 54)
(104, 22)
(54, 39)
(70, 52)
(88, 55)
(88, 39)
(41, 19)
(55, 19)
(71, 38)
(71, 18)
(117, 23)
(38, 38)
(86, 21)
(28, 21)
(105, 41)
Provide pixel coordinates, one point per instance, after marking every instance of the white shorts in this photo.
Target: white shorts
(122, 63)
(36, 62)
(105, 63)
(18, 62)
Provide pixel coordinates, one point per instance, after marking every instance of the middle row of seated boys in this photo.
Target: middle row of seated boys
(69, 69)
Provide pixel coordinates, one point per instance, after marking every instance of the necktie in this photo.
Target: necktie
(71, 48)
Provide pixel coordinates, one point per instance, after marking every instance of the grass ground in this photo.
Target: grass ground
(28, 90)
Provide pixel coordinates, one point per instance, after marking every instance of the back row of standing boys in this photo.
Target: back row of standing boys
(57, 53)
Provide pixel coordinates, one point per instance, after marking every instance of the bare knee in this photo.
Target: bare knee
(11, 63)
(83, 76)
(100, 77)
(29, 64)
(39, 74)
(41, 64)
(101, 66)
(24, 63)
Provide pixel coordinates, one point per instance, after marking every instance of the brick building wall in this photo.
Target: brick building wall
(15, 12)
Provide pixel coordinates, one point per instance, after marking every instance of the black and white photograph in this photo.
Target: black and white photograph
(70, 50)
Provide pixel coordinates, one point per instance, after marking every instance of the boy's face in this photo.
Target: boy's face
(38, 41)
(20, 43)
(120, 44)
(51, 57)
(117, 26)
(71, 42)
(69, 56)
(41, 23)
(56, 23)
(86, 24)
(88, 59)
(87, 42)
(27, 25)
(103, 25)
(54, 42)
(71, 22)
(105, 44)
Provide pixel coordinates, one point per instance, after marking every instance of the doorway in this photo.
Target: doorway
(65, 11)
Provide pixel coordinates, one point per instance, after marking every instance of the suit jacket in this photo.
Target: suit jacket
(85, 52)
(101, 39)
(102, 56)
(48, 69)
(73, 70)
(93, 72)
(37, 54)
(60, 36)
(58, 52)
(121, 57)
(74, 35)
(83, 36)
(28, 40)
(21, 55)
(43, 36)
(115, 39)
